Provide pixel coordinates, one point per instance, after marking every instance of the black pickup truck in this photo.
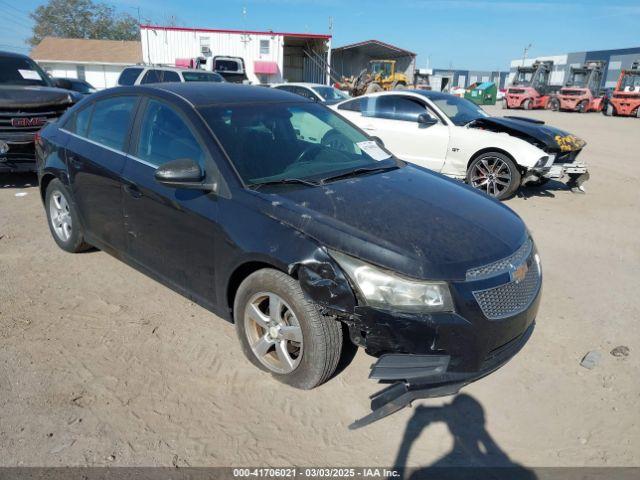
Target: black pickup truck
(28, 100)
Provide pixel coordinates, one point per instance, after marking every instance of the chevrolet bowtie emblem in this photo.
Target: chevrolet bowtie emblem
(518, 274)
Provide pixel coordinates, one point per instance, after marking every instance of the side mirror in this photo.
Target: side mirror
(62, 83)
(182, 173)
(426, 120)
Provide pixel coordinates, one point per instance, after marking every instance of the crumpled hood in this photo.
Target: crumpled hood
(412, 221)
(551, 138)
(33, 97)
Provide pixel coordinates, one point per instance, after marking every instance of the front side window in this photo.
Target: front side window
(393, 107)
(459, 110)
(129, 76)
(165, 136)
(21, 71)
(281, 141)
(110, 121)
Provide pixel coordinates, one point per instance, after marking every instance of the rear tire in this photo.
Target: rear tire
(62, 217)
(553, 105)
(527, 104)
(608, 110)
(373, 88)
(582, 107)
(282, 332)
(505, 105)
(495, 174)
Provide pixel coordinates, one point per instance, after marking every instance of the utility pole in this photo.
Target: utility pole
(524, 53)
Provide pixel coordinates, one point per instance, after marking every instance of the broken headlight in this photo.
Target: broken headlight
(381, 288)
(545, 161)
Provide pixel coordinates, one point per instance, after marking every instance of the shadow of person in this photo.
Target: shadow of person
(475, 454)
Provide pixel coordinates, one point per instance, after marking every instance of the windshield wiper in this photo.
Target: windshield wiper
(358, 171)
(284, 181)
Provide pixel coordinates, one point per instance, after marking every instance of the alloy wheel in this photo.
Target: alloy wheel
(273, 332)
(492, 175)
(60, 216)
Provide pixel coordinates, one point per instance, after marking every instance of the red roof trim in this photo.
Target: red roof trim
(237, 32)
(388, 45)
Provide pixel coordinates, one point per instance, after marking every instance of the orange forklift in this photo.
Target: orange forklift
(530, 88)
(625, 98)
(581, 92)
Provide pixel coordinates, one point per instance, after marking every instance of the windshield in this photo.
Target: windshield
(283, 141)
(330, 93)
(630, 82)
(459, 110)
(21, 71)
(578, 79)
(82, 87)
(202, 77)
(523, 77)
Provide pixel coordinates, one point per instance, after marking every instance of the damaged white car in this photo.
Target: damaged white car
(457, 138)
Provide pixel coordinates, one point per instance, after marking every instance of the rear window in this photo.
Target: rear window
(352, 106)
(129, 76)
(227, 66)
(202, 77)
(160, 76)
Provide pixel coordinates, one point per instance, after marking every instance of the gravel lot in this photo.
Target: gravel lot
(99, 365)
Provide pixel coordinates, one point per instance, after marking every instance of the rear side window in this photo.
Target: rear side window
(110, 121)
(160, 76)
(165, 136)
(304, 92)
(352, 106)
(129, 76)
(80, 121)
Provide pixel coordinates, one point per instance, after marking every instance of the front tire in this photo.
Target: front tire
(608, 110)
(582, 107)
(495, 174)
(282, 332)
(553, 105)
(62, 218)
(527, 104)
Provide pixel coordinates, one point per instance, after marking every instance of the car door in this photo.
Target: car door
(99, 136)
(172, 232)
(394, 119)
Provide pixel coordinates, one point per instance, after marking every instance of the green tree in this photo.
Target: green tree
(81, 19)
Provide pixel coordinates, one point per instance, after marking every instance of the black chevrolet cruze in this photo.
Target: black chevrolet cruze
(276, 213)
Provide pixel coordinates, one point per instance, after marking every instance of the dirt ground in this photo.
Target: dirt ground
(99, 365)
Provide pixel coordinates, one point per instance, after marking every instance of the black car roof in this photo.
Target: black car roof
(12, 54)
(201, 94)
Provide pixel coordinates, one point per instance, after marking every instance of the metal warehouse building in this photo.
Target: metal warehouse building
(615, 60)
(350, 60)
(268, 56)
(443, 79)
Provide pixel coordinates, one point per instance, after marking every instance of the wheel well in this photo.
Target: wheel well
(44, 183)
(238, 276)
(494, 150)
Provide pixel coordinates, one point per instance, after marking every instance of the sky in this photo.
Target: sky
(464, 34)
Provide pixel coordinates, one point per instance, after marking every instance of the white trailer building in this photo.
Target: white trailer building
(268, 56)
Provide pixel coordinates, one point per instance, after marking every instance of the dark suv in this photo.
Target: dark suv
(276, 213)
(28, 100)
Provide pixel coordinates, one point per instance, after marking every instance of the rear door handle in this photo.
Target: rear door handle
(133, 190)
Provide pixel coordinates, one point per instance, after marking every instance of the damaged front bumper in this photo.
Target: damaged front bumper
(565, 167)
(415, 377)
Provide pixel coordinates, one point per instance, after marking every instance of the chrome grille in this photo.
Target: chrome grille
(49, 113)
(511, 298)
(501, 266)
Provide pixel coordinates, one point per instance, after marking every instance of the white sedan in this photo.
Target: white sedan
(457, 138)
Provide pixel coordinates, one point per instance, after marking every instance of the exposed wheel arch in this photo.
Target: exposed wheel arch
(497, 150)
(239, 274)
(44, 183)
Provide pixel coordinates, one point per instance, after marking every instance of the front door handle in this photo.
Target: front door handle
(133, 190)
(368, 127)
